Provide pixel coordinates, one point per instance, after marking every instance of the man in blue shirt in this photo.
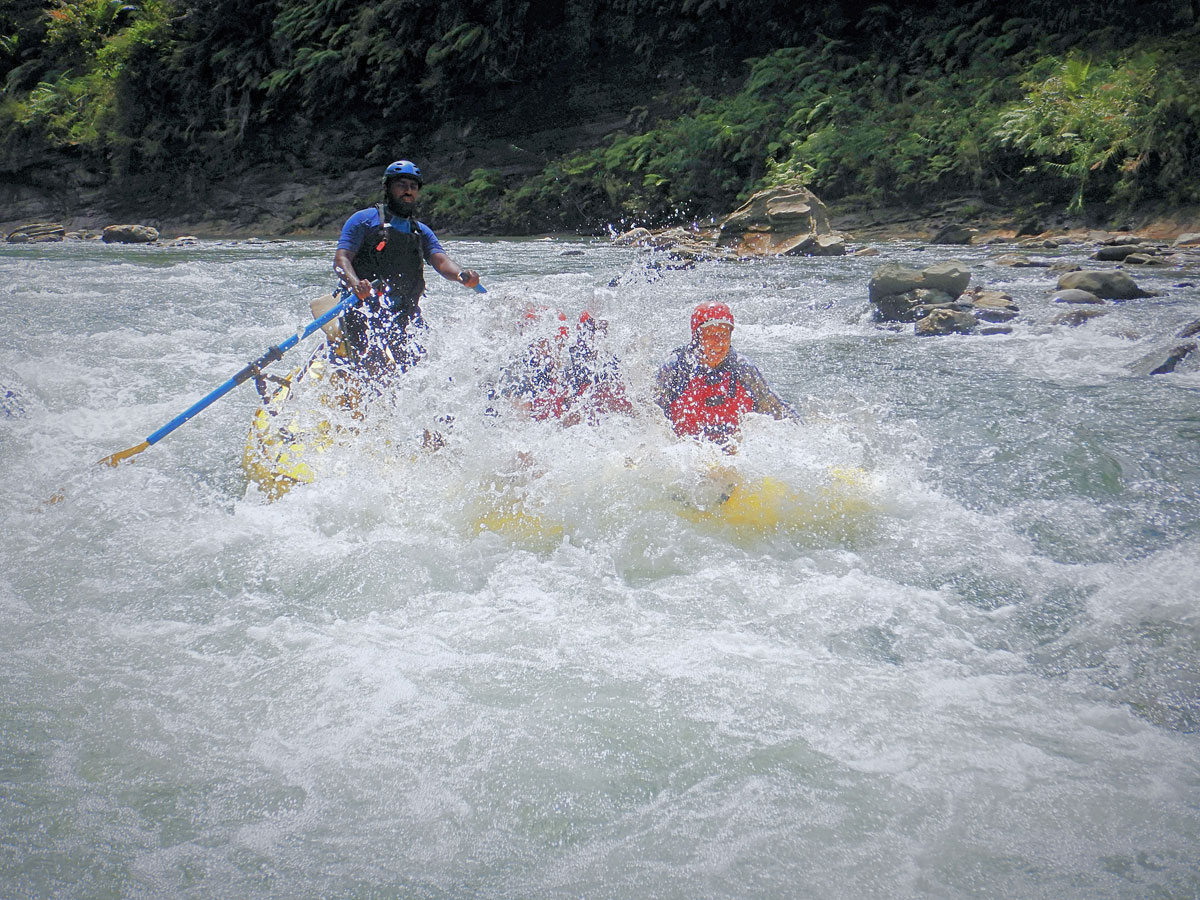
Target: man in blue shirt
(385, 244)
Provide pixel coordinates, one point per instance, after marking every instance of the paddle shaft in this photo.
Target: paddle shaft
(252, 369)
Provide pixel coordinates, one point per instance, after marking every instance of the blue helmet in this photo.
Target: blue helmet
(402, 167)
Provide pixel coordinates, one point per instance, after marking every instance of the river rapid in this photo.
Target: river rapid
(980, 678)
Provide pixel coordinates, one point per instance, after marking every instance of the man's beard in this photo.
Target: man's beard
(406, 208)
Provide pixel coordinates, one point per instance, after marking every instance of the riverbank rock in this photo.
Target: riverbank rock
(954, 234)
(783, 221)
(633, 237)
(1108, 284)
(1187, 240)
(130, 234)
(36, 232)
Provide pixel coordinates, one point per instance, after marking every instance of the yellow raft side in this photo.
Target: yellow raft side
(767, 505)
(741, 508)
(279, 448)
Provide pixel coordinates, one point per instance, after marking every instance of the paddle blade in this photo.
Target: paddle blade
(116, 458)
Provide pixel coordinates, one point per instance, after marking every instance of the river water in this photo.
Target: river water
(980, 679)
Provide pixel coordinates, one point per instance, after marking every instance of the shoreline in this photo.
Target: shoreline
(860, 225)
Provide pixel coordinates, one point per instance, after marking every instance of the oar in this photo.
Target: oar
(274, 353)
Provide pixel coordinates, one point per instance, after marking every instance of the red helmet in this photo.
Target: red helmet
(711, 314)
(536, 315)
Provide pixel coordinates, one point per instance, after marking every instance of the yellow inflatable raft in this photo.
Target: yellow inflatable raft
(283, 439)
(757, 507)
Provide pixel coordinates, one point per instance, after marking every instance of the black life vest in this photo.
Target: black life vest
(396, 259)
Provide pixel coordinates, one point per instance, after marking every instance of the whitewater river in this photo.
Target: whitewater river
(974, 673)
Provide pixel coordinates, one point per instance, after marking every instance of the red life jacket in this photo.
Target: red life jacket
(711, 404)
(550, 403)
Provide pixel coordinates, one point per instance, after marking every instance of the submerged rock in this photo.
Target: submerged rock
(1190, 330)
(1021, 262)
(1163, 362)
(1076, 317)
(946, 321)
(10, 403)
(1145, 259)
(911, 305)
(1106, 283)
(992, 306)
(1074, 295)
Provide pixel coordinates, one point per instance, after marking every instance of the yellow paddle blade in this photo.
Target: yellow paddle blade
(124, 454)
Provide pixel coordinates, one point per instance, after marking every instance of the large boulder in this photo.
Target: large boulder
(950, 277)
(130, 234)
(932, 297)
(780, 220)
(1108, 284)
(35, 232)
(893, 278)
(1115, 252)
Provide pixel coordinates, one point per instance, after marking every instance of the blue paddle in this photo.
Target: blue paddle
(250, 371)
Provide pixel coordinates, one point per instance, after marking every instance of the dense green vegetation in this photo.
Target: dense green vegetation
(1090, 107)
